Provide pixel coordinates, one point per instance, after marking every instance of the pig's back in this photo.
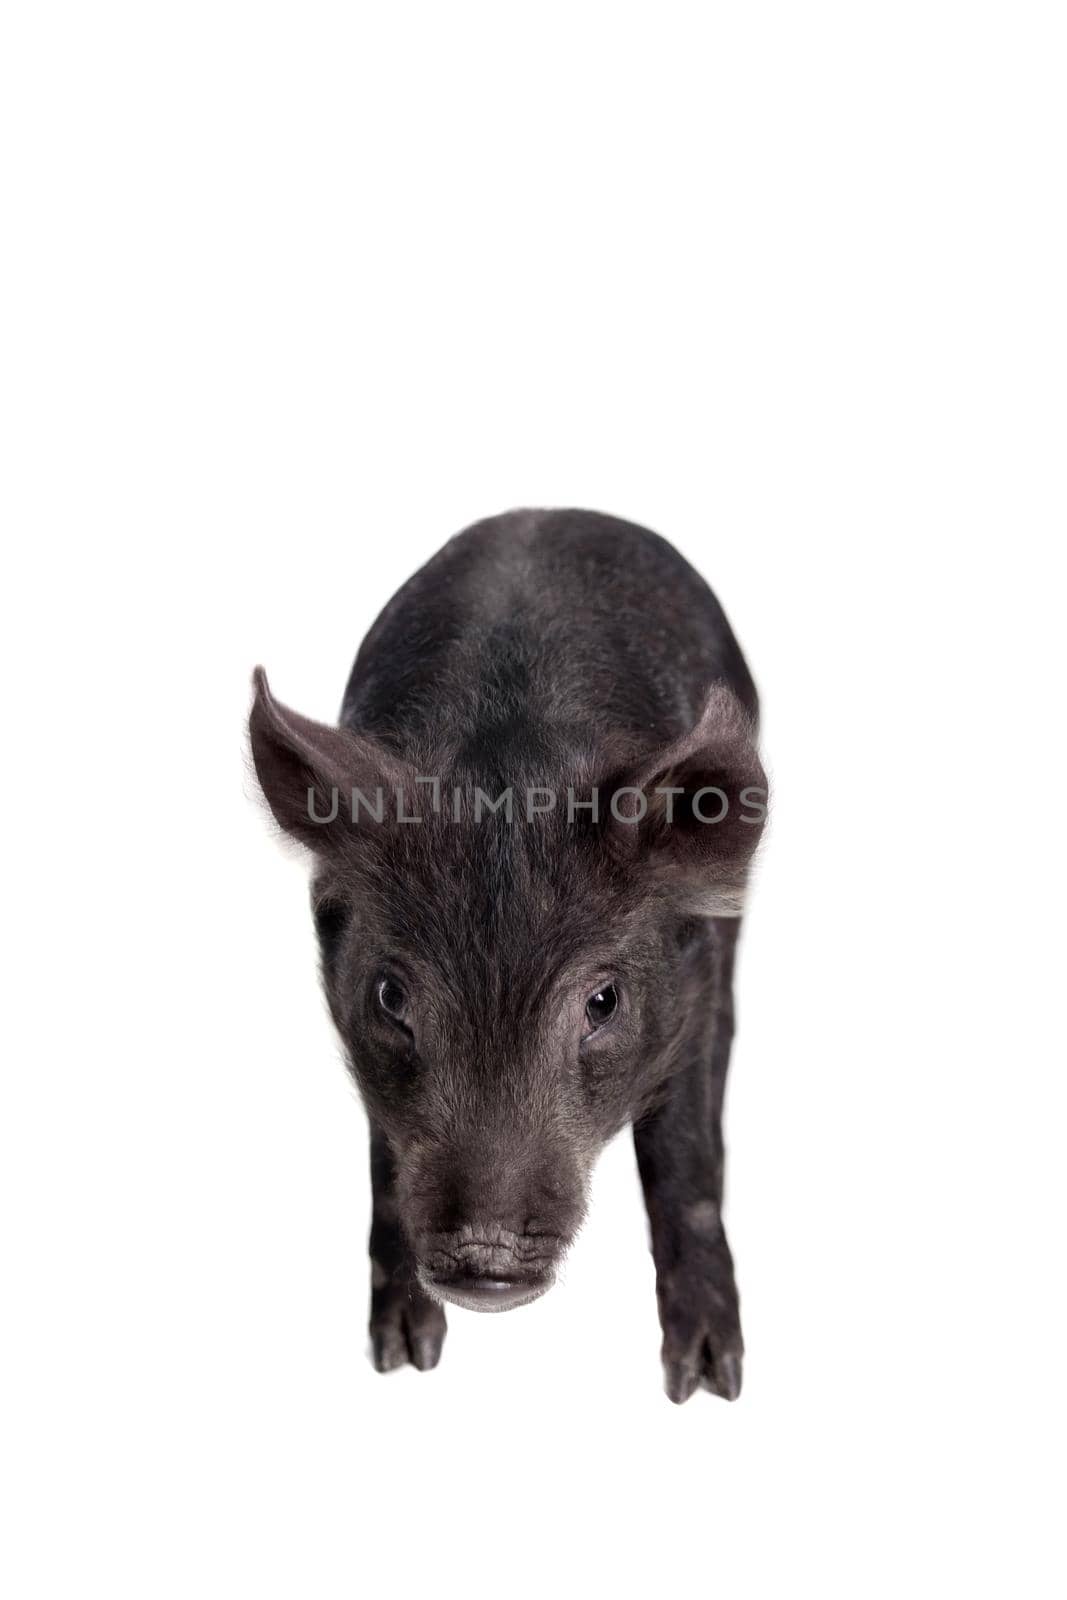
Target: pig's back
(544, 620)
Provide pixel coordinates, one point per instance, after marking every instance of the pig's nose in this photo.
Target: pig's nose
(490, 1294)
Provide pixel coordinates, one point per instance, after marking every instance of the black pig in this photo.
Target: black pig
(531, 832)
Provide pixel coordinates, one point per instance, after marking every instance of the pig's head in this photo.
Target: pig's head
(510, 990)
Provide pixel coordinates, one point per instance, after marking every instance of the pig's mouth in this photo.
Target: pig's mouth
(488, 1294)
(490, 1269)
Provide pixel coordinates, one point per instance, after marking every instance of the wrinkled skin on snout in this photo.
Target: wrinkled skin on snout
(510, 995)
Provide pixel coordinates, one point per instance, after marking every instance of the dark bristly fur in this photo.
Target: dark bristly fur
(553, 649)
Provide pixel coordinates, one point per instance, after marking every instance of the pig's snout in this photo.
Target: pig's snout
(490, 1218)
(489, 1269)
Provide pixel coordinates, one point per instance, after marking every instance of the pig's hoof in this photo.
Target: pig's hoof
(702, 1345)
(717, 1370)
(406, 1326)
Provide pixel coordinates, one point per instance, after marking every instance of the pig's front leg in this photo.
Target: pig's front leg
(405, 1324)
(680, 1159)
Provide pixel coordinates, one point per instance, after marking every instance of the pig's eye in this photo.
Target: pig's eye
(392, 999)
(601, 1007)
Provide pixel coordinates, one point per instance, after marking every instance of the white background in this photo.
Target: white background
(292, 292)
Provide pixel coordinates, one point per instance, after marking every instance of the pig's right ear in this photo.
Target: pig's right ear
(308, 770)
(694, 809)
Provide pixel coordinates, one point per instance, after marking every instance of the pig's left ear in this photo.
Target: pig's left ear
(692, 813)
(307, 770)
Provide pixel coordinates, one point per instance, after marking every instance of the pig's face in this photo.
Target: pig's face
(506, 1008)
(510, 992)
